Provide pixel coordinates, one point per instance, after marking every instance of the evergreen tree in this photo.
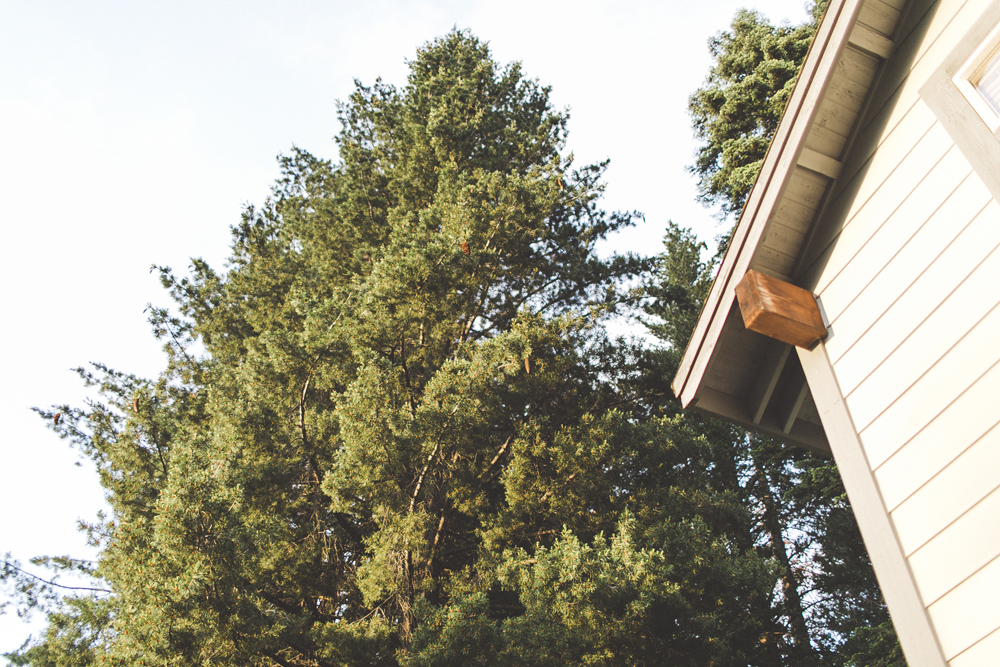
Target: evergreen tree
(829, 605)
(394, 430)
(737, 110)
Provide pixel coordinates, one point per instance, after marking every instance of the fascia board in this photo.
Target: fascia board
(779, 163)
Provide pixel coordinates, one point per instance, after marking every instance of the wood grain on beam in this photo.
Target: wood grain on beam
(779, 310)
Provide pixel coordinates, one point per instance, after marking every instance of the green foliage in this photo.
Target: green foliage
(76, 636)
(610, 602)
(385, 430)
(737, 110)
(79, 612)
(677, 289)
(394, 430)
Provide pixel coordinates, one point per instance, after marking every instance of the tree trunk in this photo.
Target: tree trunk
(789, 584)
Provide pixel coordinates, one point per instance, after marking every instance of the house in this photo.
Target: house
(878, 198)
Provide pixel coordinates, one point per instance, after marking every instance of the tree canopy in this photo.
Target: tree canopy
(394, 431)
(737, 110)
(396, 420)
(829, 598)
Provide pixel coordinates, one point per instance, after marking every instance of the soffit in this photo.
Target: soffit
(737, 374)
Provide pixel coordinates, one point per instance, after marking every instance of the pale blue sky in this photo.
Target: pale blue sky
(132, 133)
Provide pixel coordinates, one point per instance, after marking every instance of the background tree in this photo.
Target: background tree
(394, 430)
(829, 602)
(737, 110)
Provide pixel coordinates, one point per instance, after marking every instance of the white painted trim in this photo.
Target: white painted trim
(973, 133)
(909, 614)
(972, 69)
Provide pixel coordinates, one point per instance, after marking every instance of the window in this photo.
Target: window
(964, 95)
(988, 83)
(979, 80)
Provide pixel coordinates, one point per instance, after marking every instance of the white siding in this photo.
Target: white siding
(909, 279)
(957, 552)
(969, 613)
(961, 311)
(983, 652)
(918, 403)
(872, 252)
(967, 420)
(953, 491)
(861, 331)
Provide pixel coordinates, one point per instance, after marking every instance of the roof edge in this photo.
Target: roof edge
(779, 162)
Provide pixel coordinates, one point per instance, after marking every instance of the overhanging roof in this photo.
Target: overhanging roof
(737, 374)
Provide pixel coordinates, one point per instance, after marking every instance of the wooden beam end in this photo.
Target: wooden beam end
(779, 310)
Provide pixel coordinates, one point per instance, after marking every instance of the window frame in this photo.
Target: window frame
(952, 98)
(966, 80)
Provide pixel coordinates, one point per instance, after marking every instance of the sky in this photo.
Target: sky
(134, 133)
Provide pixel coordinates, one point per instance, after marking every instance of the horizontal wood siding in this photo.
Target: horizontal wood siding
(961, 311)
(963, 423)
(983, 652)
(957, 552)
(945, 500)
(871, 253)
(969, 613)
(960, 367)
(919, 277)
(906, 262)
(936, 489)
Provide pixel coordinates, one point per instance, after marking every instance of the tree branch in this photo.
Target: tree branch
(485, 476)
(8, 564)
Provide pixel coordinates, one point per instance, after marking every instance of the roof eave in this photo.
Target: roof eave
(782, 157)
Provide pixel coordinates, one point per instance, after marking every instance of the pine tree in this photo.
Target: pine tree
(829, 606)
(394, 430)
(736, 112)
